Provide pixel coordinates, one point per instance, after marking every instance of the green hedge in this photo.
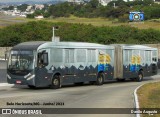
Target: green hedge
(41, 30)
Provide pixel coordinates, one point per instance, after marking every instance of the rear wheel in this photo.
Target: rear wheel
(55, 82)
(100, 79)
(140, 76)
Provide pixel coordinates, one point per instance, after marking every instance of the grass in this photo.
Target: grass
(149, 97)
(104, 22)
(155, 24)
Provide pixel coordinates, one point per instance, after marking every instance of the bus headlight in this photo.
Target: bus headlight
(31, 77)
(27, 75)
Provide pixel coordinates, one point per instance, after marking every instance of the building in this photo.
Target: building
(104, 2)
(29, 8)
(39, 7)
(39, 17)
(76, 1)
(157, 1)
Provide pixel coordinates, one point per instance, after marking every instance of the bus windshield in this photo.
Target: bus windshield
(20, 62)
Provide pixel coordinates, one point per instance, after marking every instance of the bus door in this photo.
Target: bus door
(41, 71)
(81, 65)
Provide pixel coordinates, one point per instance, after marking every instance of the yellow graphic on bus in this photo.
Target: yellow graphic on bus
(135, 59)
(104, 59)
(101, 59)
(138, 60)
(108, 59)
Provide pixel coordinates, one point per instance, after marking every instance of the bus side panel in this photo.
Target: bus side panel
(43, 78)
(151, 58)
(136, 60)
(110, 62)
(132, 63)
(106, 62)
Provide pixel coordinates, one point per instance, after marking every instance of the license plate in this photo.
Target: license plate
(18, 82)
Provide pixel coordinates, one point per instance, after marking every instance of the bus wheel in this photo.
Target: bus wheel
(55, 82)
(140, 77)
(100, 79)
(31, 87)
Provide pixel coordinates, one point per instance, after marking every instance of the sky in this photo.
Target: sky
(5, 1)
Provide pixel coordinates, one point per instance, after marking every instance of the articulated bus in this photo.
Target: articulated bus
(40, 64)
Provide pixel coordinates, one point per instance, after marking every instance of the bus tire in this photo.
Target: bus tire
(56, 82)
(79, 83)
(120, 80)
(100, 79)
(32, 87)
(140, 76)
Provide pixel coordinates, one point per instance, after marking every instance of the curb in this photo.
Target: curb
(5, 84)
(136, 100)
(136, 97)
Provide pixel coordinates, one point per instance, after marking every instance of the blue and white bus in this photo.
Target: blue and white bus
(40, 64)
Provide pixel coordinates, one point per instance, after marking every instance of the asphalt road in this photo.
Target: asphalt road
(110, 95)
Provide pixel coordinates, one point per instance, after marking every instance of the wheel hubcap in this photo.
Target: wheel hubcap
(140, 76)
(100, 79)
(55, 82)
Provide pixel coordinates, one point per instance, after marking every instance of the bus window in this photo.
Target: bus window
(111, 56)
(57, 55)
(81, 55)
(154, 56)
(148, 57)
(21, 61)
(91, 55)
(142, 55)
(126, 57)
(69, 56)
(42, 59)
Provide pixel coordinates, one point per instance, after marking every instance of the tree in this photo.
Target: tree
(22, 7)
(42, 31)
(8, 8)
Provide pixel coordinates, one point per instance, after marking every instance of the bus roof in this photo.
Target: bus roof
(136, 47)
(74, 45)
(32, 45)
